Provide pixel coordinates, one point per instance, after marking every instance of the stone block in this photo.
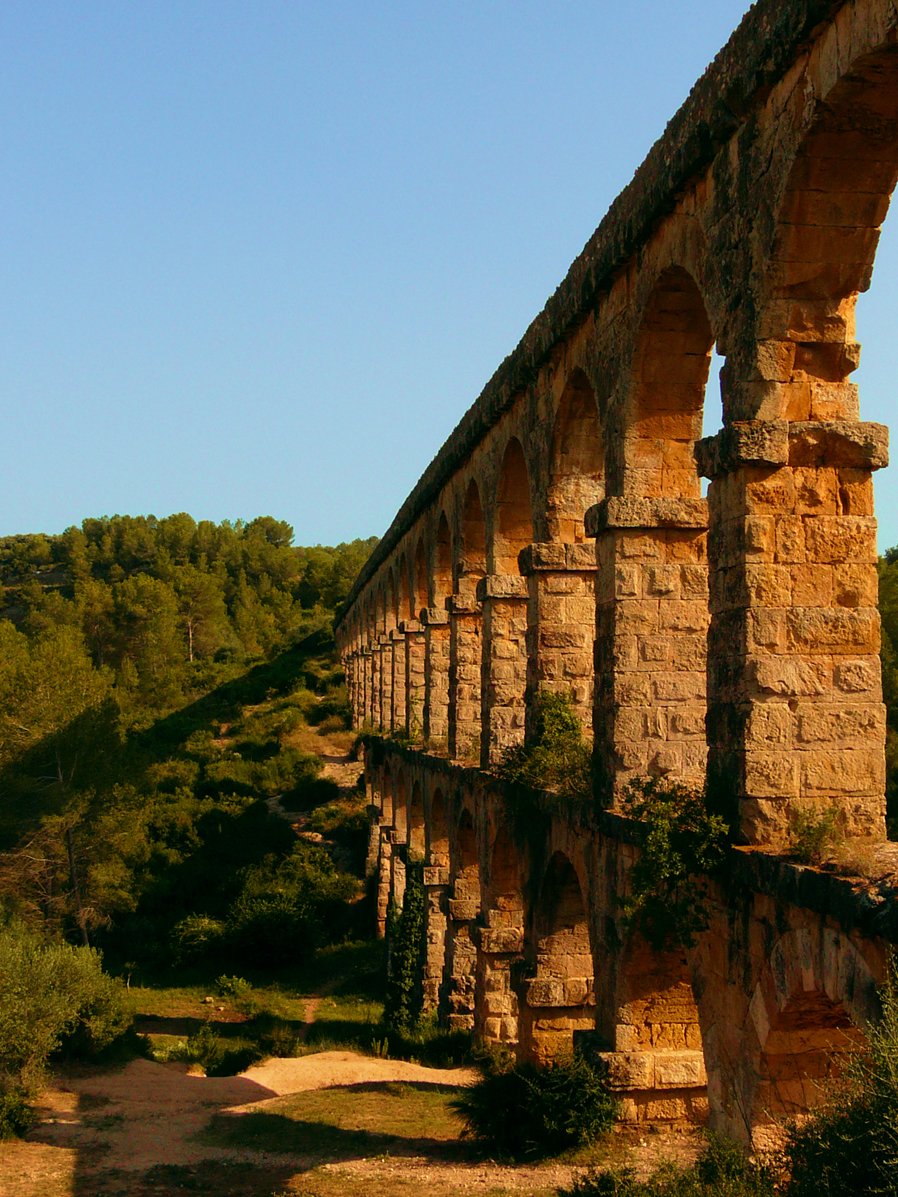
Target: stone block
(545, 992)
(787, 677)
(855, 586)
(681, 1070)
(436, 875)
(836, 630)
(463, 910)
(839, 539)
(630, 1070)
(856, 677)
(497, 940)
(769, 724)
(842, 724)
(771, 774)
(843, 771)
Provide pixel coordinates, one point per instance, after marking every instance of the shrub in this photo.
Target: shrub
(233, 987)
(100, 1012)
(681, 844)
(17, 1116)
(722, 1170)
(195, 937)
(525, 1110)
(404, 996)
(557, 758)
(285, 906)
(53, 997)
(814, 831)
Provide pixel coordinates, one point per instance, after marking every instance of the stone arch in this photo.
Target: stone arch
(668, 377)
(457, 996)
(501, 942)
(577, 461)
(826, 235)
(403, 593)
(386, 797)
(513, 513)
(466, 856)
(396, 594)
(420, 588)
(438, 830)
(389, 601)
(442, 572)
(652, 604)
(416, 825)
(808, 1011)
(557, 996)
(472, 558)
(400, 806)
(385, 850)
(659, 1061)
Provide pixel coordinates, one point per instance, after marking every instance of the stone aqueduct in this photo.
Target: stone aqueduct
(559, 540)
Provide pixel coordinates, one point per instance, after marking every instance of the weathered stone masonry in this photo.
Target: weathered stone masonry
(560, 541)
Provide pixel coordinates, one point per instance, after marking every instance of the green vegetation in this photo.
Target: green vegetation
(815, 831)
(164, 686)
(681, 845)
(851, 1146)
(527, 1111)
(557, 758)
(54, 999)
(405, 935)
(350, 1122)
(722, 1170)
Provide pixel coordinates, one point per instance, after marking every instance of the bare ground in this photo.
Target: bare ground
(138, 1131)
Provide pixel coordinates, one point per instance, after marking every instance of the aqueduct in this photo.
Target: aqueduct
(560, 540)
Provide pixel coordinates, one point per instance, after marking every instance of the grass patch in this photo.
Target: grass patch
(351, 1122)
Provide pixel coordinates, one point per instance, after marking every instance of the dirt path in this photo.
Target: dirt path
(124, 1132)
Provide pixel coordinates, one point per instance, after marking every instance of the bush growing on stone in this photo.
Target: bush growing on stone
(524, 1110)
(814, 833)
(681, 843)
(557, 758)
(403, 999)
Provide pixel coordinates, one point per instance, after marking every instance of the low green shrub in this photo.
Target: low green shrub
(814, 832)
(233, 987)
(53, 999)
(557, 758)
(17, 1115)
(196, 937)
(722, 1170)
(524, 1110)
(681, 843)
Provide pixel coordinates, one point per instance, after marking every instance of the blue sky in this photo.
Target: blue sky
(259, 257)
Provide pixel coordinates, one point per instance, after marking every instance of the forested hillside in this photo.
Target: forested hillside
(156, 676)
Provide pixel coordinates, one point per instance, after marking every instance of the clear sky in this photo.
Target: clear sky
(259, 257)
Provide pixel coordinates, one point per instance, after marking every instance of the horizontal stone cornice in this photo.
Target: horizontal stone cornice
(554, 557)
(622, 511)
(502, 586)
